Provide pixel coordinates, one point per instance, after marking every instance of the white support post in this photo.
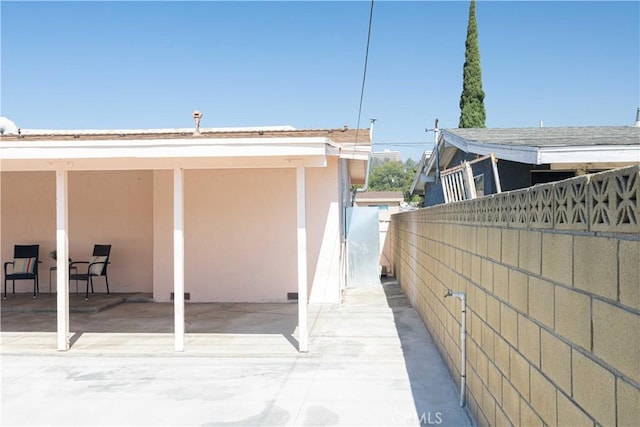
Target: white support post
(496, 176)
(178, 257)
(303, 333)
(62, 263)
(471, 184)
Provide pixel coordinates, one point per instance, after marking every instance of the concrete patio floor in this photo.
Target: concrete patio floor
(370, 362)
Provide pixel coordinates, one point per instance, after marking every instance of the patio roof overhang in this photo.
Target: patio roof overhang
(113, 154)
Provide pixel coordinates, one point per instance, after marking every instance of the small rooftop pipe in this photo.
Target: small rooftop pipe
(463, 339)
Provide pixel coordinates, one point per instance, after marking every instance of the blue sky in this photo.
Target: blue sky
(75, 65)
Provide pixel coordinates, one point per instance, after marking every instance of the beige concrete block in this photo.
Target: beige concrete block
(494, 241)
(573, 316)
(466, 264)
(509, 324)
(480, 305)
(510, 402)
(557, 257)
(456, 236)
(529, 340)
(628, 404)
(482, 366)
(595, 265)
(616, 338)
(519, 374)
(556, 360)
(470, 290)
(530, 253)
(495, 382)
(481, 241)
(510, 247)
(493, 313)
(487, 274)
(470, 238)
(528, 417)
(501, 418)
(598, 400)
(471, 349)
(542, 301)
(474, 383)
(501, 281)
(459, 264)
(476, 329)
(478, 415)
(543, 397)
(488, 344)
(488, 406)
(476, 269)
(629, 267)
(502, 357)
(448, 234)
(570, 415)
(519, 290)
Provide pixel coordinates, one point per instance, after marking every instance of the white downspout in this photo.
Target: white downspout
(463, 339)
(366, 177)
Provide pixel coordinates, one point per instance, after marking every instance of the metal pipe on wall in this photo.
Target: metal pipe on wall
(463, 338)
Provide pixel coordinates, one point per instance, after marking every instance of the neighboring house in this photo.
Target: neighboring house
(388, 203)
(229, 214)
(525, 156)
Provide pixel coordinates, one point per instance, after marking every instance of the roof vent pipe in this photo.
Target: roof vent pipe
(371, 129)
(541, 124)
(197, 115)
(637, 123)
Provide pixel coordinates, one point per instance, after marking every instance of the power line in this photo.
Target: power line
(364, 74)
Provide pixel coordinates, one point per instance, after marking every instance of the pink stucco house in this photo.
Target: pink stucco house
(227, 214)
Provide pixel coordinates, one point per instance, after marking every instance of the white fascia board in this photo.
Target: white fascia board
(352, 152)
(416, 178)
(354, 156)
(590, 154)
(521, 154)
(241, 147)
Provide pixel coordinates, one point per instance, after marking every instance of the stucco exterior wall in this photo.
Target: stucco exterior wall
(110, 207)
(240, 234)
(240, 229)
(553, 298)
(323, 231)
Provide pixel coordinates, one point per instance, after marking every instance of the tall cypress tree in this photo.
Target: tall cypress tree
(472, 113)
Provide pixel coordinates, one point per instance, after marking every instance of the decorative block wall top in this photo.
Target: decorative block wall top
(606, 202)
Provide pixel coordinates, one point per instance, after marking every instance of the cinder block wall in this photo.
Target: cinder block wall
(552, 281)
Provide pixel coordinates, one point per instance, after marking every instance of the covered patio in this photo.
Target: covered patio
(183, 236)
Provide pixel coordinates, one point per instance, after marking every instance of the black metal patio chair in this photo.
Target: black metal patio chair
(23, 267)
(97, 267)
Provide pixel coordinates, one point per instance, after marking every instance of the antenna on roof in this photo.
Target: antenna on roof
(197, 115)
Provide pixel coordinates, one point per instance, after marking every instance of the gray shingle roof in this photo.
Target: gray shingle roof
(553, 136)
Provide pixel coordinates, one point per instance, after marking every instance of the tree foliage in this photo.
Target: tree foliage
(390, 175)
(472, 112)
